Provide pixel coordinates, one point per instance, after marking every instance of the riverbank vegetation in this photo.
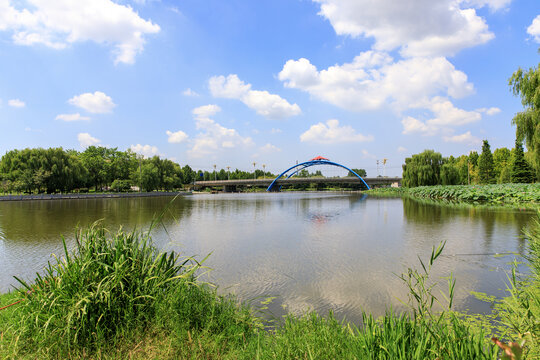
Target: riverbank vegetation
(99, 168)
(518, 195)
(115, 296)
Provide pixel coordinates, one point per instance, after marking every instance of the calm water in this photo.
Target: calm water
(322, 251)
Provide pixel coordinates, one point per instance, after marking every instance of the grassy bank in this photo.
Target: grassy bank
(506, 194)
(117, 297)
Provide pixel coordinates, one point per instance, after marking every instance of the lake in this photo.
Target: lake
(310, 250)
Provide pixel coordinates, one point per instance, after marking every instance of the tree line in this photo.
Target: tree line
(99, 168)
(500, 167)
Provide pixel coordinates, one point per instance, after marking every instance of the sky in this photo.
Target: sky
(273, 82)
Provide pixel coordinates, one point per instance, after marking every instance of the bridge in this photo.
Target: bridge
(286, 178)
(232, 185)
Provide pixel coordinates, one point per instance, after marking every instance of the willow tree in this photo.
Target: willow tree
(526, 84)
(422, 169)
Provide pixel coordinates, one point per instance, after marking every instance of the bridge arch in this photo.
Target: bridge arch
(316, 161)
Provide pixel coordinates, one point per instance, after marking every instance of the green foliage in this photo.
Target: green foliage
(526, 84)
(422, 169)
(520, 171)
(485, 165)
(502, 159)
(121, 185)
(110, 283)
(495, 194)
(360, 172)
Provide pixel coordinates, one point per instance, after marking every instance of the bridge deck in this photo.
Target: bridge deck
(292, 181)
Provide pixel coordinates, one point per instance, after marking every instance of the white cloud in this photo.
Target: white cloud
(367, 155)
(147, 151)
(276, 131)
(97, 103)
(534, 29)
(16, 103)
(57, 24)
(332, 133)
(269, 148)
(489, 111)
(463, 138)
(176, 137)
(421, 28)
(189, 92)
(373, 80)
(214, 137)
(206, 111)
(446, 116)
(72, 117)
(268, 105)
(494, 5)
(401, 149)
(86, 140)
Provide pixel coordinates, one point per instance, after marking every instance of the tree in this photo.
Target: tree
(502, 159)
(520, 171)
(422, 169)
(485, 165)
(526, 84)
(360, 172)
(449, 174)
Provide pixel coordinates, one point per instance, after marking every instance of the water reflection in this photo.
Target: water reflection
(323, 251)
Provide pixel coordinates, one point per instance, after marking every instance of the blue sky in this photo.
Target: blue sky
(234, 82)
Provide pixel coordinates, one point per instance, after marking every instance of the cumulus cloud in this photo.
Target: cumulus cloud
(489, 111)
(213, 137)
(206, 111)
(86, 140)
(57, 24)
(268, 105)
(332, 133)
(269, 148)
(97, 103)
(374, 80)
(494, 5)
(72, 117)
(401, 149)
(446, 117)
(16, 103)
(429, 28)
(189, 92)
(463, 138)
(147, 151)
(176, 137)
(534, 29)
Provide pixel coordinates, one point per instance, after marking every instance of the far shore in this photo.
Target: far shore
(90, 195)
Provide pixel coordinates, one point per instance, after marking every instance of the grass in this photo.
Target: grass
(116, 297)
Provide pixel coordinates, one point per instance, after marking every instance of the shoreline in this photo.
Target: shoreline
(89, 196)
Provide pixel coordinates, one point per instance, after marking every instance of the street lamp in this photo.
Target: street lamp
(228, 173)
(264, 167)
(215, 175)
(254, 175)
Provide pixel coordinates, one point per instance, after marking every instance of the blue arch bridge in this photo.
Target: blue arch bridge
(287, 178)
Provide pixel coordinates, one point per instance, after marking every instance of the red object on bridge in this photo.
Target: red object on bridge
(320, 158)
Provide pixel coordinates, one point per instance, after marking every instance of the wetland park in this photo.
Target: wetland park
(280, 179)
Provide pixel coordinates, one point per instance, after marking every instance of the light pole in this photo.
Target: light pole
(228, 173)
(264, 174)
(215, 175)
(254, 176)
